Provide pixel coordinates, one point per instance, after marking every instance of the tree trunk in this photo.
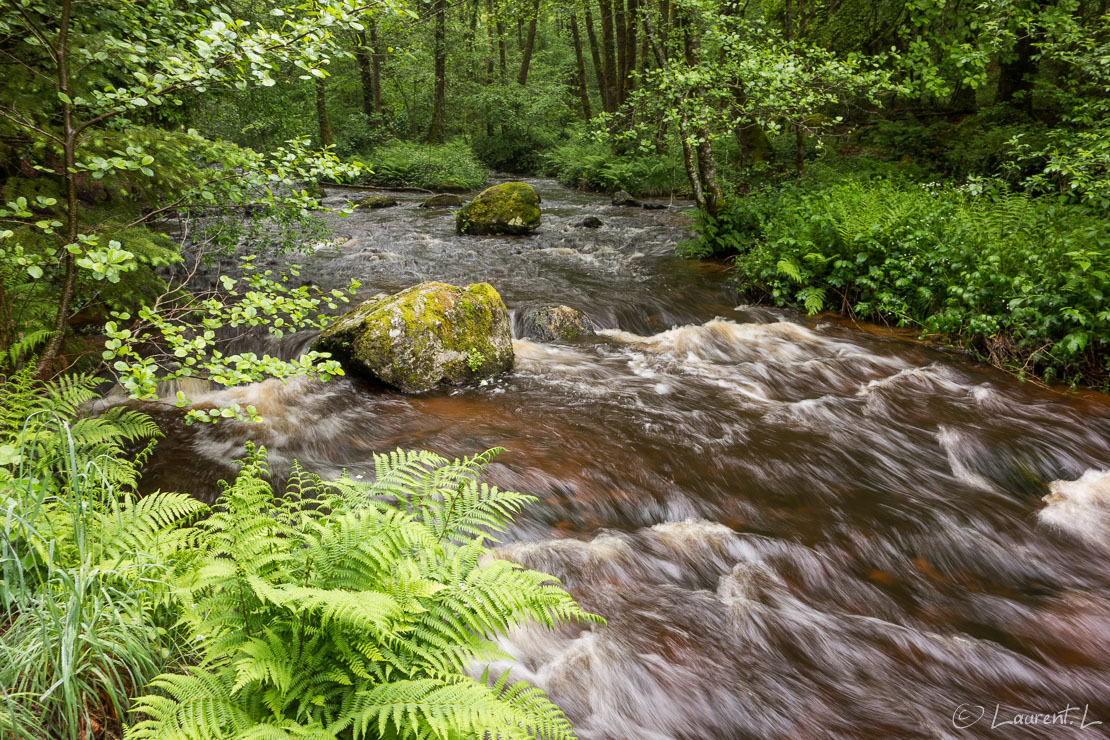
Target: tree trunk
(529, 44)
(630, 40)
(693, 173)
(583, 90)
(706, 164)
(799, 150)
(501, 44)
(375, 67)
(1015, 78)
(69, 153)
(609, 53)
(369, 72)
(620, 32)
(471, 34)
(439, 91)
(595, 56)
(322, 113)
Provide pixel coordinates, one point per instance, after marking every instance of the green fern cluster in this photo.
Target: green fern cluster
(87, 567)
(341, 611)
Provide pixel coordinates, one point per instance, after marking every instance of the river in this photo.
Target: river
(794, 526)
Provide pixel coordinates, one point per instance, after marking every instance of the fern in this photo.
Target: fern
(353, 611)
(788, 268)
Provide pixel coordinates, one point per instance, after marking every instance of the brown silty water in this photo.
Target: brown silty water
(794, 527)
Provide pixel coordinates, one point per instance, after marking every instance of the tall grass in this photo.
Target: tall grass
(87, 568)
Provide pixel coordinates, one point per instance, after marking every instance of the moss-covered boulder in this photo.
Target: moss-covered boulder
(557, 323)
(376, 201)
(622, 198)
(443, 200)
(508, 208)
(429, 335)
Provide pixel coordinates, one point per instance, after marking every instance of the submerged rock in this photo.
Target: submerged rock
(557, 323)
(654, 206)
(443, 200)
(508, 208)
(622, 198)
(591, 222)
(376, 201)
(428, 335)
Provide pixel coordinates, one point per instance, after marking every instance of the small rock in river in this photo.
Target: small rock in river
(622, 198)
(443, 200)
(376, 201)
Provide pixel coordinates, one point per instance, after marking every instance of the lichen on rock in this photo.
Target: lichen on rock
(442, 200)
(376, 201)
(429, 335)
(556, 323)
(508, 208)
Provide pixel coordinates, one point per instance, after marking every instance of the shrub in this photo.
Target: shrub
(515, 124)
(449, 166)
(1023, 281)
(593, 166)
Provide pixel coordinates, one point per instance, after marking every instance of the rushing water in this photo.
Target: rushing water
(794, 527)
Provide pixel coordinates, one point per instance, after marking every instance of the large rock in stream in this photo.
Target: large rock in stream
(556, 324)
(508, 208)
(429, 335)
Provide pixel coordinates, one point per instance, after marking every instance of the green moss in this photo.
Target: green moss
(425, 335)
(508, 208)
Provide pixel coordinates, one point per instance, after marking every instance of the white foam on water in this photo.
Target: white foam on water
(1081, 507)
(955, 447)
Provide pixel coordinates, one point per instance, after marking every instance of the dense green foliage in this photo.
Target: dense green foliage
(441, 167)
(88, 568)
(1023, 281)
(594, 166)
(338, 610)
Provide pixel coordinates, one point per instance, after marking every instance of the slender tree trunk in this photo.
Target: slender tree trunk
(583, 90)
(322, 113)
(693, 173)
(363, 56)
(501, 44)
(529, 44)
(491, 42)
(595, 56)
(630, 40)
(439, 91)
(707, 165)
(69, 154)
(655, 44)
(620, 32)
(609, 51)
(799, 149)
(471, 35)
(375, 66)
